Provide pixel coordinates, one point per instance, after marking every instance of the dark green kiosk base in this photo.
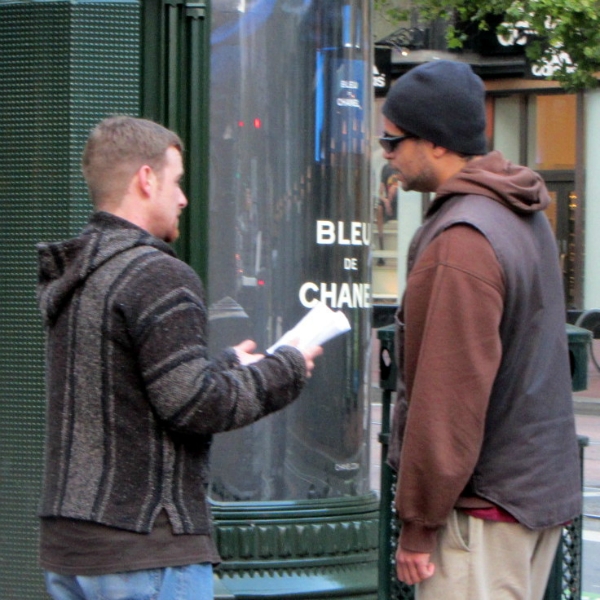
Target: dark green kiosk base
(325, 548)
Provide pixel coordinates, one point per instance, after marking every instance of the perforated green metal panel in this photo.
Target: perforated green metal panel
(63, 66)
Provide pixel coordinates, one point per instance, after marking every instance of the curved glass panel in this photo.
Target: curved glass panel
(290, 224)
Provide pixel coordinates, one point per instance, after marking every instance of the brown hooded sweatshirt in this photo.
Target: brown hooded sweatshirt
(467, 309)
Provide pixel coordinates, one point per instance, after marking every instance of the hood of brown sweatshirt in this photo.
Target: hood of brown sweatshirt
(517, 187)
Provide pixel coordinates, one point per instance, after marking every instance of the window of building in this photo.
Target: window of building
(551, 123)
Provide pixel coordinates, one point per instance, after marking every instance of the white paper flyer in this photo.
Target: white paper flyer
(319, 325)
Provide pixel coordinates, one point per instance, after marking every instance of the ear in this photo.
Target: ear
(438, 151)
(146, 180)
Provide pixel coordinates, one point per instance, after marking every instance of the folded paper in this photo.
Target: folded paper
(319, 325)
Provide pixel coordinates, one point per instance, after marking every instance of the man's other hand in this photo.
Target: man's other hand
(309, 356)
(413, 567)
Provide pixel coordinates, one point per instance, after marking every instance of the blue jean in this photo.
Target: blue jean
(192, 582)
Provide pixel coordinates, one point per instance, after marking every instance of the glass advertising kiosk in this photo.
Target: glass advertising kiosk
(290, 225)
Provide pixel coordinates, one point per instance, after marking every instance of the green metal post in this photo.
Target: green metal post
(385, 528)
(175, 92)
(197, 164)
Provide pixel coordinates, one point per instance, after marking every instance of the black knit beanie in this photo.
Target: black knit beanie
(443, 102)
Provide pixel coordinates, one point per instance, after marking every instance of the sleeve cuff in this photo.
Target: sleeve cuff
(227, 359)
(415, 537)
(296, 361)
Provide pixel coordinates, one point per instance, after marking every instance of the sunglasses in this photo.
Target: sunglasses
(389, 142)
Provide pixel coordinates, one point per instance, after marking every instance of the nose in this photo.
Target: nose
(183, 201)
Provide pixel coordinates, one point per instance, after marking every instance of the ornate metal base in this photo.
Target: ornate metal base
(325, 548)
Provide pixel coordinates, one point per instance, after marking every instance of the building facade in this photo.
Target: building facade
(533, 122)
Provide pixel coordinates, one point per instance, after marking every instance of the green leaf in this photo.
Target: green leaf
(571, 26)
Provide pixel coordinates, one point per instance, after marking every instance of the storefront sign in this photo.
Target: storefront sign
(379, 79)
(520, 33)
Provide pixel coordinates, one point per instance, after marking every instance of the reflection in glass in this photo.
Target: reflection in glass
(289, 225)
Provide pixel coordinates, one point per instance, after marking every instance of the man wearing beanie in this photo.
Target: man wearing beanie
(483, 439)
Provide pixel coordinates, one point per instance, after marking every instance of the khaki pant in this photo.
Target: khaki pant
(488, 560)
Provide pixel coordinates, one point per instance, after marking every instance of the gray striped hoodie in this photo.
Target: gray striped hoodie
(132, 396)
